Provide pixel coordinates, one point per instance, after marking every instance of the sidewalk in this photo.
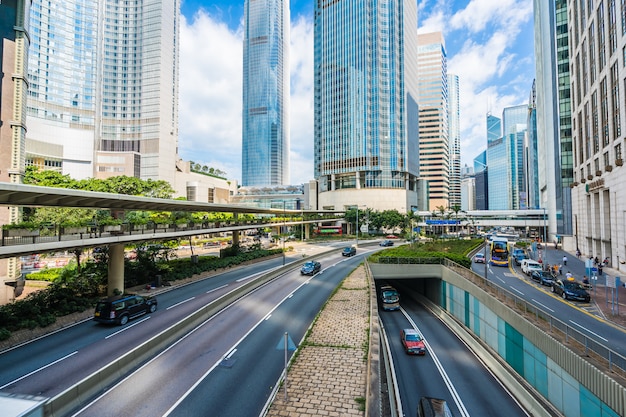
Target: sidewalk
(329, 376)
(601, 296)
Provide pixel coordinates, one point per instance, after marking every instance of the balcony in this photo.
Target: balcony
(619, 162)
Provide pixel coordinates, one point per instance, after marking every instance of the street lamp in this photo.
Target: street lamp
(545, 242)
(357, 227)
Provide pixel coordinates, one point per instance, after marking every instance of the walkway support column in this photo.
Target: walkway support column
(116, 269)
(236, 232)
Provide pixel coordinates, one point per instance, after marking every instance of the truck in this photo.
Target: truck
(389, 297)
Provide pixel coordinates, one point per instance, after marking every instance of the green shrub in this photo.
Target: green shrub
(4, 333)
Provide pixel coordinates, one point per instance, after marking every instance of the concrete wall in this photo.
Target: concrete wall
(573, 386)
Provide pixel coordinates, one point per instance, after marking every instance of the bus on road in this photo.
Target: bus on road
(499, 251)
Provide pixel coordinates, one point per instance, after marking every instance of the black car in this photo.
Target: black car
(543, 277)
(311, 268)
(386, 243)
(349, 251)
(570, 290)
(121, 308)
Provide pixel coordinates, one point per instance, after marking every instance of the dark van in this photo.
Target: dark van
(121, 308)
(433, 407)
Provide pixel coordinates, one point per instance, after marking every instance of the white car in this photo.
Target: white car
(529, 266)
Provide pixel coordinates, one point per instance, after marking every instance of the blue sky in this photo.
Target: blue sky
(489, 45)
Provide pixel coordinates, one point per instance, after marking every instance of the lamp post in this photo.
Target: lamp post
(545, 242)
(357, 227)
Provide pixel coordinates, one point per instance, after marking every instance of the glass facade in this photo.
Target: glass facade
(505, 159)
(104, 79)
(265, 126)
(366, 114)
(454, 123)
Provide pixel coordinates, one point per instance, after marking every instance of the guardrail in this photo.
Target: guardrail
(81, 392)
(614, 361)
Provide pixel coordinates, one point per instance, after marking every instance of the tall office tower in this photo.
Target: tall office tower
(481, 186)
(435, 163)
(494, 128)
(505, 160)
(265, 129)
(454, 127)
(597, 100)
(531, 168)
(366, 113)
(103, 95)
(14, 39)
(554, 105)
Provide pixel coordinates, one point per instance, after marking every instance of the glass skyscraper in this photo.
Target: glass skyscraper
(505, 159)
(454, 127)
(265, 125)
(103, 96)
(366, 113)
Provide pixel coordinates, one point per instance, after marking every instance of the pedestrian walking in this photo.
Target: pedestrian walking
(600, 266)
(578, 253)
(564, 260)
(569, 276)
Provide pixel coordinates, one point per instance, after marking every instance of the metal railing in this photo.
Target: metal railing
(566, 334)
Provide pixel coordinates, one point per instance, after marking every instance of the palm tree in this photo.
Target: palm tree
(456, 209)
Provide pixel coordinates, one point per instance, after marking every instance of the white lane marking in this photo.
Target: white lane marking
(215, 289)
(542, 305)
(40, 369)
(442, 372)
(268, 317)
(216, 364)
(516, 290)
(257, 274)
(130, 326)
(588, 331)
(231, 353)
(182, 302)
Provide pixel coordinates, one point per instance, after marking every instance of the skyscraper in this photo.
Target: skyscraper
(366, 112)
(103, 96)
(597, 46)
(505, 157)
(265, 125)
(454, 128)
(554, 105)
(435, 163)
(14, 40)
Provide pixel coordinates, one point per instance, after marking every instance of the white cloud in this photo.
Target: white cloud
(485, 37)
(210, 94)
(301, 117)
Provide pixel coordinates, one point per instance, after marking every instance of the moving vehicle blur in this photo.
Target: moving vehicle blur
(570, 290)
(479, 258)
(389, 298)
(121, 308)
(348, 251)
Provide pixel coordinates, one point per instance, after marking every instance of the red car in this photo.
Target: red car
(413, 342)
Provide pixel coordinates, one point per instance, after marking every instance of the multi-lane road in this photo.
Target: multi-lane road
(231, 364)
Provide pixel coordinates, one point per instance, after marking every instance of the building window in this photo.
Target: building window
(618, 151)
(211, 195)
(607, 162)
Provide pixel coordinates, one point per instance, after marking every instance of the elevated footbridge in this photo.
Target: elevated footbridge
(20, 195)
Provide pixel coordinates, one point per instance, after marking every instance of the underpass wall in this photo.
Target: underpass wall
(572, 385)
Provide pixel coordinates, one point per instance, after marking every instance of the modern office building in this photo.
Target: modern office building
(103, 94)
(505, 159)
(597, 100)
(531, 156)
(365, 106)
(553, 55)
(454, 128)
(494, 129)
(14, 42)
(481, 186)
(434, 105)
(468, 193)
(265, 112)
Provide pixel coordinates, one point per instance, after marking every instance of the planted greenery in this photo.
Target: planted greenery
(455, 250)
